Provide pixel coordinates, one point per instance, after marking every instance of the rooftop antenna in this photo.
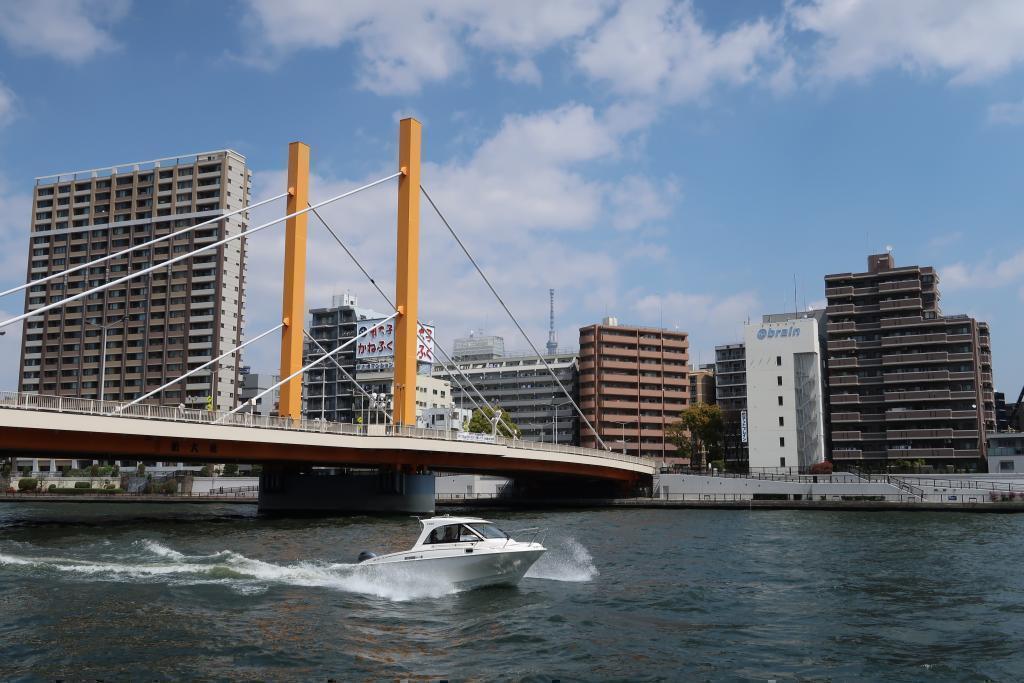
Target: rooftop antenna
(552, 341)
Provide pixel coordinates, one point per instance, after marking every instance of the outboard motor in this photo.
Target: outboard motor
(365, 555)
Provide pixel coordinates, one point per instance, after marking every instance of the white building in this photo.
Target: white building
(445, 418)
(785, 402)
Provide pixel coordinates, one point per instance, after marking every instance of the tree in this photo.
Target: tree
(698, 432)
(206, 471)
(231, 470)
(482, 422)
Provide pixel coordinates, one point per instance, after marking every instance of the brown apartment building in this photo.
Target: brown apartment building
(149, 330)
(906, 382)
(633, 384)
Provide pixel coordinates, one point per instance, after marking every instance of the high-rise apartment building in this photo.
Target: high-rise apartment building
(906, 382)
(132, 338)
(702, 384)
(633, 385)
(731, 396)
(327, 392)
(523, 387)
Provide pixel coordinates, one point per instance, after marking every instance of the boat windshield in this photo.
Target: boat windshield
(490, 531)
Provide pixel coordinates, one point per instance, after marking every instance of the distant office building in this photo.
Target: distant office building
(784, 392)
(445, 418)
(906, 382)
(523, 387)
(153, 328)
(731, 396)
(702, 384)
(633, 385)
(327, 393)
(254, 384)
(478, 347)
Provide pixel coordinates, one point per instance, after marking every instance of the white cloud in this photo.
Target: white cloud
(1011, 113)
(945, 240)
(637, 201)
(710, 319)
(520, 71)
(661, 49)
(69, 30)
(988, 273)
(971, 41)
(8, 101)
(403, 48)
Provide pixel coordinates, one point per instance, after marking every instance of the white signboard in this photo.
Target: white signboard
(743, 426)
(379, 341)
(474, 436)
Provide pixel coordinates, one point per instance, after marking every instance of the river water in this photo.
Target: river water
(198, 592)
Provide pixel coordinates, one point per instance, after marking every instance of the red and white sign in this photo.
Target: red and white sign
(379, 341)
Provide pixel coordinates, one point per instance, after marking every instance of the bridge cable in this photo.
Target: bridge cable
(150, 243)
(511, 316)
(206, 247)
(509, 429)
(204, 365)
(299, 371)
(344, 371)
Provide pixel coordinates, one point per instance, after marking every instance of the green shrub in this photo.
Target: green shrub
(168, 487)
(83, 485)
(207, 471)
(51, 487)
(79, 492)
(718, 465)
(28, 484)
(231, 470)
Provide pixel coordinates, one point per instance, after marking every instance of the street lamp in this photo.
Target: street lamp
(622, 426)
(103, 351)
(554, 421)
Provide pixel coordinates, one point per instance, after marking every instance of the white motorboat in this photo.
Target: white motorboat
(466, 552)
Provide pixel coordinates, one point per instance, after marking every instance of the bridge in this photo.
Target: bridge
(290, 446)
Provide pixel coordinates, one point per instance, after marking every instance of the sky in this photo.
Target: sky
(681, 164)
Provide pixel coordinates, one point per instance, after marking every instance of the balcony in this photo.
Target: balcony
(838, 291)
(905, 434)
(900, 286)
(897, 415)
(911, 358)
(929, 376)
(847, 454)
(845, 417)
(840, 309)
(900, 305)
(844, 399)
(937, 395)
(842, 363)
(922, 453)
(846, 436)
(843, 380)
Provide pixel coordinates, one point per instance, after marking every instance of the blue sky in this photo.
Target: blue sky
(675, 163)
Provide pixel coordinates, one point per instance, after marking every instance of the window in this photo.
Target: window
(781, 421)
(782, 441)
(452, 533)
(780, 400)
(778, 360)
(780, 380)
(1006, 466)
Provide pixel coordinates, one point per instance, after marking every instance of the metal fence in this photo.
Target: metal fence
(89, 406)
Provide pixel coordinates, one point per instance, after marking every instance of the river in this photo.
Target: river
(202, 592)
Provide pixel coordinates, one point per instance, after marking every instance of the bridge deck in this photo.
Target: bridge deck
(87, 427)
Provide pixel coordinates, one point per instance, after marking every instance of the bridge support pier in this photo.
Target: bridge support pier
(288, 489)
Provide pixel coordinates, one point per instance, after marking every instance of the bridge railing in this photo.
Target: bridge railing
(89, 406)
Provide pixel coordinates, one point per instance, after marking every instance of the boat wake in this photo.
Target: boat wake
(152, 562)
(569, 562)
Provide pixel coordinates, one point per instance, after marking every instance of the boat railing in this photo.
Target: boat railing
(538, 532)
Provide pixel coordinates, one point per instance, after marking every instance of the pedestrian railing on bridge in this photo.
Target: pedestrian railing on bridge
(89, 406)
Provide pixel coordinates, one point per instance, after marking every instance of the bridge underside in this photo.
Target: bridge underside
(55, 443)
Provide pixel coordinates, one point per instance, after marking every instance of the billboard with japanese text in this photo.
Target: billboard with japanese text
(379, 341)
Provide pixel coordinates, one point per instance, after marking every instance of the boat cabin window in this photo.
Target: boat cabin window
(489, 531)
(452, 533)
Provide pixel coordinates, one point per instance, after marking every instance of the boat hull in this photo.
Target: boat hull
(466, 570)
